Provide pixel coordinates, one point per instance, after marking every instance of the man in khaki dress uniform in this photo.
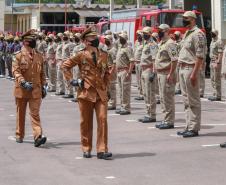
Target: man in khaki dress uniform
(165, 64)
(148, 76)
(92, 92)
(124, 67)
(112, 70)
(60, 86)
(216, 53)
(30, 82)
(191, 58)
(138, 47)
(51, 59)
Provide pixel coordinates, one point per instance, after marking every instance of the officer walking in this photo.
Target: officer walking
(148, 75)
(8, 57)
(190, 59)
(165, 64)
(29, 87)
(216, 53)
(124, 67)
(92, 92)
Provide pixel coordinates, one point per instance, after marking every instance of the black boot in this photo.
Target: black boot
(40, 141)
(104, 155)
(87, 155)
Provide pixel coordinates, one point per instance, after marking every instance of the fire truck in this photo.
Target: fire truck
(132, 20)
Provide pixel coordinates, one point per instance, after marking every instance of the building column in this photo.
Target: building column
(172, 4)
(2, 16)
(82, 20)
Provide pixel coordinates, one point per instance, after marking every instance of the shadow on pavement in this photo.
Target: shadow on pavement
(215, 134)
(134, 155)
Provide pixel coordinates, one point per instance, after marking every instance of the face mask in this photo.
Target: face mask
(50, 40)
(161, 34)
(107, 42)
(32, 44)
(177, 37)
(146, 37)
(77, 40)
(186, 22)
(65, 38)
(122, 41)
(213, 35)
(139, 38)
(154, 39)
(115, 37)
(95, 43)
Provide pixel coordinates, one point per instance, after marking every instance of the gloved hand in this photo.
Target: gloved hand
(152, 77)
(27, 85)
(77, 83)
(44, 91)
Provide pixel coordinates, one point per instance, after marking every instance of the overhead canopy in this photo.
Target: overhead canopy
(90, 13)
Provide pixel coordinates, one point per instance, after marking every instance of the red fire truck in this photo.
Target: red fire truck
(133, 19)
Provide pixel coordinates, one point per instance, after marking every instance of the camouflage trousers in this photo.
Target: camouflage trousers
(112, 90)
(138, 77)
(215, 75)
(60, 86)
(149, 89)
(124, 83)
(52, 71)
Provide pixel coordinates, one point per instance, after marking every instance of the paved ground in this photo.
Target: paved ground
(143, 155)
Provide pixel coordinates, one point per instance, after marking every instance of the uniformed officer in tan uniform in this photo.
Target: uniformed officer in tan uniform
(124, 66)
(66, 54)
(191, 58)
(60, 86)
(138, 47)
(112, 70)
(29, 89)
(216, 53)
(148, 76)
(92, 93)
(165, 64)
(50, 56)
(177, 38)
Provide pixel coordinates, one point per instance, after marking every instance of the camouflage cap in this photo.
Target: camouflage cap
(108, 37)
(215, 32)
(51, 36)
(108, 32)
(164, 27)
(29, 35)
(190, 14)
(123, 35)
(154, 34)
(177, 33)
(147, 29)
(78, 35)
(60, 34)
(17, 38)
(139, 32)
(1, 36)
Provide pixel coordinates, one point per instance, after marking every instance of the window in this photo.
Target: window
(143, 21)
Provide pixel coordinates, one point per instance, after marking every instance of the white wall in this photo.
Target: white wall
(2, 14)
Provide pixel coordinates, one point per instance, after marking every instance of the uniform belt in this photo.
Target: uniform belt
(144, 67)
(122, 69)
(186, 65)
(167, 69)
(137, 62)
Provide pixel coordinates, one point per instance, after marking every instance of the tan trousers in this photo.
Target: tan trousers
(149, 89)
(191, 99)
(68, 87)
(138, 77)
(124, 83)
(167, 92)
(112, 90)
(76, 75)
(178, 81)
(202, 81)
(52, 76)
(60, 86)
(215, 75)
(86, 113)
(34, 106)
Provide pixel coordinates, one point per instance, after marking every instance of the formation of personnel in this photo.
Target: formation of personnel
(79, 66)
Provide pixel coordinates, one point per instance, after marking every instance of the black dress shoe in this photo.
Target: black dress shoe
(19, 140)
(158, 102)
(147, 119)
(87, 155)
(125, 112)
(104, 155)
(190, 134)
(223, 145)
(139, 98)
(166, 126)
(40, 141)
(74, 100)
(51, 90)
(201, 96)
(68, 96)
(181, 133)
(177, 92)
(213, 98)
(59, 93)
(117, 111)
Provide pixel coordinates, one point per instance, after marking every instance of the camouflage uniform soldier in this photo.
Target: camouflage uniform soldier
(177, 37)
(8, 58)
(50, 56)
(60, 86)
(66, 54)
(2, 53)
(216, 52)
(166, 63)
(112, 70)
(191, 58)
(124, 66)
(138, 47)
(148, 76)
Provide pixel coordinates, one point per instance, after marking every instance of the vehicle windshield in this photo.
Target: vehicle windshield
(175, 20)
